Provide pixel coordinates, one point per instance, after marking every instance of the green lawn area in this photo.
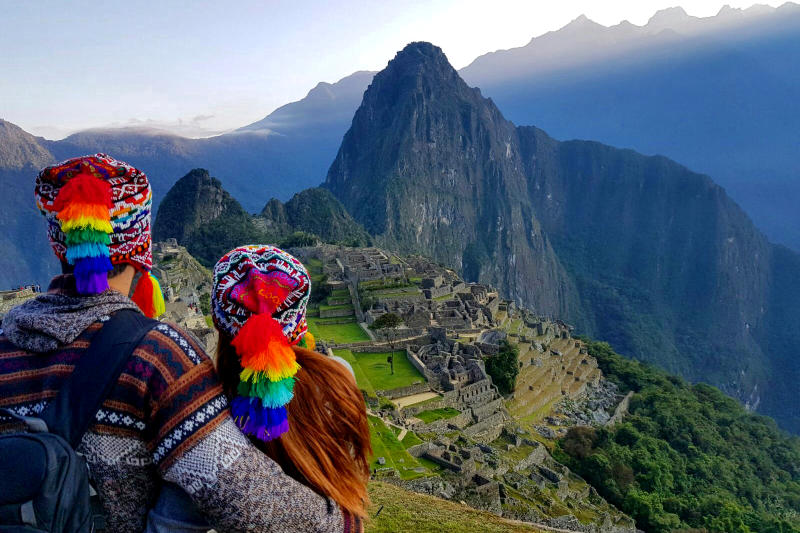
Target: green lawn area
(432, 415)
(397, 293)
(361, 378)
(377, 370)
(386, 445)
(322, 328)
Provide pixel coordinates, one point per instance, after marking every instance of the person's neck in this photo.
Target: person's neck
(122, 282)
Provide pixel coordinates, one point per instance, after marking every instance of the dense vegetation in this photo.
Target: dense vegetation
(503, 367)
(687, 456)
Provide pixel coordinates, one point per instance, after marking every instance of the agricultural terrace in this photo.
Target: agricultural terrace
(385, 444)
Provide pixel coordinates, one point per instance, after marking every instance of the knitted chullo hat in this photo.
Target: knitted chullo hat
(98, 214)
(259, 298)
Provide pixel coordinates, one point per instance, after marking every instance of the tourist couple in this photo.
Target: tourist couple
(272, 438)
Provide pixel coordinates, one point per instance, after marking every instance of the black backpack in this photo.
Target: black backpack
(44, 483)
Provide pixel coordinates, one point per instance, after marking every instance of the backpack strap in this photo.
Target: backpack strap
(72, 411)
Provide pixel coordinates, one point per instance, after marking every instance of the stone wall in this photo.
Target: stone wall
(416, 388)
(335, 313)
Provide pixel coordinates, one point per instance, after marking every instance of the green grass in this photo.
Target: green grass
(410, 440)
(322, 328)
(444, 413)
(314, 267)
(361, 378)
(402, 510)
(323, 307)
(340, 293)
(209, 321)
(377, 370)
(386, 445)
(416, 293)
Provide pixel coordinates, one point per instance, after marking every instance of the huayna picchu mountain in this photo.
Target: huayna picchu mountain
(637, 250)
(429, 166)
(202, 216)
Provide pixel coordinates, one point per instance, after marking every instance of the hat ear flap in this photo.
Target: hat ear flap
(83, 206)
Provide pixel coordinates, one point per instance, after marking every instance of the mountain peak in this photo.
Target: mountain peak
(669, 17)
(416, 55)
(19, 149)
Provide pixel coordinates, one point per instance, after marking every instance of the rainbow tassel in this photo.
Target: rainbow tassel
(253, 418)
(148, 296)
(83, 210)
(267, 378)
(272, 393)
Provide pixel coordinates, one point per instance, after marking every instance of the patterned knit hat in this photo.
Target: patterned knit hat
(259, 298)
(98, 214)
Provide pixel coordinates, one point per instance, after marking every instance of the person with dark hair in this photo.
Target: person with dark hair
(300, 408)
(166, 416)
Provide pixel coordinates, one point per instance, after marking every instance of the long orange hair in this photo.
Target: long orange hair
(327, 445)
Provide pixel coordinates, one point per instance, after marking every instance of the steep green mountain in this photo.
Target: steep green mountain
(205, 218)
(637, 250)
(21, 157)
(318, 212)
(687, 456)
(201, 215)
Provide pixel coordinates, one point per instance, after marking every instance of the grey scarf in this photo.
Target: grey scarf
(57, 318)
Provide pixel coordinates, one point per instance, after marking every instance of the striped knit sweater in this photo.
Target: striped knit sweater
(166, 419)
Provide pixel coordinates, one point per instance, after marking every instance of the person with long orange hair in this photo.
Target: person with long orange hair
(299, 407)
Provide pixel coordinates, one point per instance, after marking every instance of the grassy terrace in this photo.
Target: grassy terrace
(432, 415)
(385, 444)
(327, 329)
(340, 293)
(377, 373)
(324, 307)
(409, 511)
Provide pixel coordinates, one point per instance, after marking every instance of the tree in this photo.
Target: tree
(388, 322)
(504, 367)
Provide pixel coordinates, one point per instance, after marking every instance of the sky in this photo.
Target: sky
(204, 67)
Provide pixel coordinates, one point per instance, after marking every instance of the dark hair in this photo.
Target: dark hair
(116, 270)
(327, 445)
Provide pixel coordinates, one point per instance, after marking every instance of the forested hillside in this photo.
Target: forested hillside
(687, 456)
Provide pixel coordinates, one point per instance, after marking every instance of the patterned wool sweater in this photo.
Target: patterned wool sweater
(166, 419)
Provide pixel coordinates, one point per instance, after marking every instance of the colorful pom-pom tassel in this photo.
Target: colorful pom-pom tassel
(148, 296)
(83, 210)
(254, 419)
(267, 377)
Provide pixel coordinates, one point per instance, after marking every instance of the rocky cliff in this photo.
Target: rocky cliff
(638, 250)
(430, 166)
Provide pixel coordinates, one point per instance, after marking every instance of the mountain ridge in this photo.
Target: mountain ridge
(636, 249)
